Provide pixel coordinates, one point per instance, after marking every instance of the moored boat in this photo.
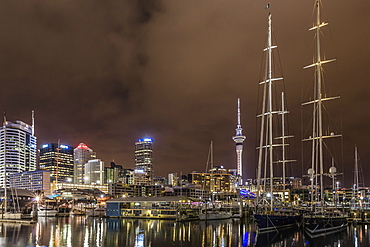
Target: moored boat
(359, 217)
(44, 211)
(98, 211)
(64, 211)
(277, 220)
(214, 214)
(321, 220)
(321, 224)
(272, 212)
(77, 211)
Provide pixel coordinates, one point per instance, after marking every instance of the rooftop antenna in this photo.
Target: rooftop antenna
(33, 122)
(57, 165)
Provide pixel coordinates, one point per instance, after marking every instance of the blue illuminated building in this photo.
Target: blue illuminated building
(58, 159)
(144, 171)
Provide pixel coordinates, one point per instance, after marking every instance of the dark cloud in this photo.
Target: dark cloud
(110, 72)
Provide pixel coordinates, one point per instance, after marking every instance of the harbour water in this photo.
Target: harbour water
(88, 232)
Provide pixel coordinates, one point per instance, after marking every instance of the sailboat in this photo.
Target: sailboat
(272, 213)
(322, 220)
(359, 212)
(212, 210)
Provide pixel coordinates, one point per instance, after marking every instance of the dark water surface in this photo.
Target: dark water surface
(88, 232)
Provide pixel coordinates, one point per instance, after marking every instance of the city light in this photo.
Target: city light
(82, 146)
(146, 139)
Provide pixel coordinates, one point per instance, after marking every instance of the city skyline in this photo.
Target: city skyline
(108, 74)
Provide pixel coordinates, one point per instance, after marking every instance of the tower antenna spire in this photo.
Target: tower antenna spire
(239, 127)
(239, 139)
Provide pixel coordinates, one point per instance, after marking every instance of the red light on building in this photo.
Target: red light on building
(82, 146)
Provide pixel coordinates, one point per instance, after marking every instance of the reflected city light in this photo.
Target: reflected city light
(102, 232)
(86, 238)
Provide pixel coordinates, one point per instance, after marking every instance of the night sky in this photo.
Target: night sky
(107, 73)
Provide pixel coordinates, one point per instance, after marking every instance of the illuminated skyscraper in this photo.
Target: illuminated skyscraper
(94, 172)
(113, 173)
(144, 171)
(82, 154)
(239, 139)
(17, 149)
(58, 159)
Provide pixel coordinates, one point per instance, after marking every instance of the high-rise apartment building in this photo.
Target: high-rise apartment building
(94, 172)
(173, 180)
(112, 173)
(144, 171)
(82, 154)
(58, 159)
(17, 149)
(128, 176)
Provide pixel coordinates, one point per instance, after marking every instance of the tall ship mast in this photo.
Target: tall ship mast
(321, 220)
(266, 139)
(274, 214)
(272, 141)
(239, 139)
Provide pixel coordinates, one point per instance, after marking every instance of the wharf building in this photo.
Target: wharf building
(144, 171)
(72, 186)
(82, 154)
(18, 149)
(58, 159)
(18, 198)
(38, 180)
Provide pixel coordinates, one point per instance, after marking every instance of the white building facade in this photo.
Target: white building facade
(17, 149)
(82, 154)
(94, 172)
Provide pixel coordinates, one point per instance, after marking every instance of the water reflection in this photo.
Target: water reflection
(360, 235)
(11, 234)
(275, 238)
(89, 232)
(124, 232)
(69, 232)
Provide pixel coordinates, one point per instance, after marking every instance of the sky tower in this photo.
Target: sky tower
(239, 139)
